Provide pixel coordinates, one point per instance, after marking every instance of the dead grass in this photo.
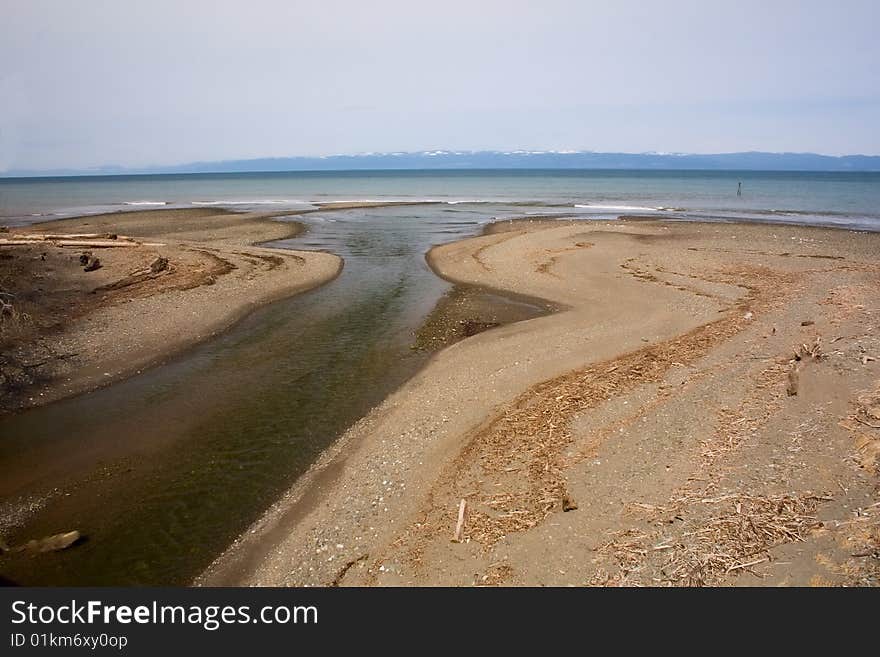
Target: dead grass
(716, 535)
(496, 575)
(864, 426)
(520, 451)
(862, 540)
(844, 301)
(734, 532)
(14, 324)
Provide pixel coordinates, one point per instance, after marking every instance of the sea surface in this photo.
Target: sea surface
(842, 199)
(162, 471)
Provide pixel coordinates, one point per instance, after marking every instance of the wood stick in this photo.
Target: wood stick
(460, 524)
(87, 236)
(43, 237)
(793, 380)
(95, 244)
(747, 565)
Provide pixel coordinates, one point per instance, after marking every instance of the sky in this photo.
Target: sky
(157, 82)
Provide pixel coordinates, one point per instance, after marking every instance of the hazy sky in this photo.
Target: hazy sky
(87, 83)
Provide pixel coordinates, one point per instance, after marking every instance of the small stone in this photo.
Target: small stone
(92, 263)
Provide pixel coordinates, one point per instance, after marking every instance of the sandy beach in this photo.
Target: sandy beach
(71, 330)
(702, 409)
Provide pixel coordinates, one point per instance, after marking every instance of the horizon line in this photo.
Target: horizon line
(440, 156)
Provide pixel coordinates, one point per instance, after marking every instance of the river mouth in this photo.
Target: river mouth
(162, 471)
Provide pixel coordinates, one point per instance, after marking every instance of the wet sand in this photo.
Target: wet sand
(702, 409)
(73, 330)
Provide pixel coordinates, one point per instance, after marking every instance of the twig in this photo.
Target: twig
(460, 524)
(747, 565)
(866, 423)
(338, 579)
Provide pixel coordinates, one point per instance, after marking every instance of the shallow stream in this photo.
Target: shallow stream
(162, 471)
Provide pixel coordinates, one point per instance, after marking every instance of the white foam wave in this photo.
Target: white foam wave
(623, 208)
(282, 201)
(390, 201)
(145, 203)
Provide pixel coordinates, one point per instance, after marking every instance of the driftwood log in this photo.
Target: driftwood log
(52, 543)
(41, 237)
(94, 244)
(158, 267)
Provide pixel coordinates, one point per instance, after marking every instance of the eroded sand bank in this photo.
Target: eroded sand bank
(75, 330)
(655, 401)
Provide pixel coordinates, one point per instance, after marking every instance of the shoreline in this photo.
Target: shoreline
(218, 272)
(351, 530)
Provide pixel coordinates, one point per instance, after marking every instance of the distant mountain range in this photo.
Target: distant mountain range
(751, 161)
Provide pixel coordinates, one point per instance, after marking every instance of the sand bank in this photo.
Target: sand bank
(701, 410)
(74, 330)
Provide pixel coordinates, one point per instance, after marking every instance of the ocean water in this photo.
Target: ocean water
(841, 199)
